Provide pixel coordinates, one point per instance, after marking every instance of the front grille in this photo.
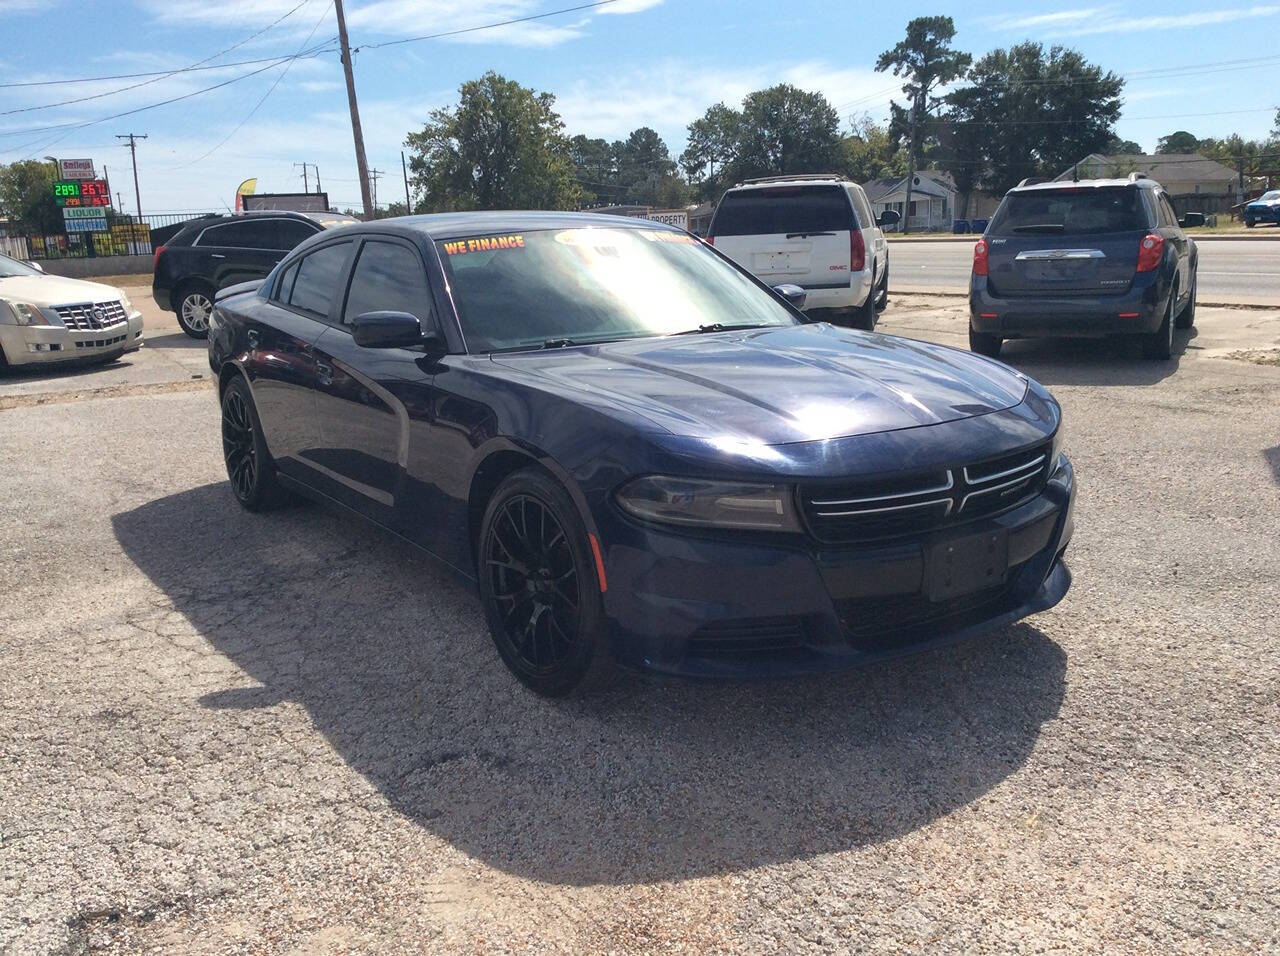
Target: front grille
(880, 624)
(100, 343)
(921, 501)
(92, 316)
(749, 637)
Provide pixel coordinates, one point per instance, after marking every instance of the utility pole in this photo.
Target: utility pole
(1240, 171)
(374, 176)
(911, 168)
(133, 152)
(408, 203)
(362, 165)
(306, 186)
(317, 169)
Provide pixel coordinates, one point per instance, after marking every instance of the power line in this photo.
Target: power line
(487, 26)
(131, 76)
(160, 76)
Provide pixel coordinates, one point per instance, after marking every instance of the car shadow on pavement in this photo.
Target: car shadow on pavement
(175, 340)
(1093, 361)
(656, 780)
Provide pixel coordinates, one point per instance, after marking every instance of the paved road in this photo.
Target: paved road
(224, 732)
(1234, 271)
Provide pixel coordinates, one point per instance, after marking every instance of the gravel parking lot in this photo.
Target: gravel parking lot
(222, 732)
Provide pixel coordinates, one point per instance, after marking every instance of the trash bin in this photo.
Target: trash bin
(1211, 220)
(979, 225)
(959, 226)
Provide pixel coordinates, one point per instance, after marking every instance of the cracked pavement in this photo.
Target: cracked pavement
(230, 733)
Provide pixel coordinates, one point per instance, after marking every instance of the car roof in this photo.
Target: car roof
(447, 225)
(1085, 184)
(806, 179)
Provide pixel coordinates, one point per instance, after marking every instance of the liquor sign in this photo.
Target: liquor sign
(85, 225)
(76, 169)
(84, 212)
(81, 192)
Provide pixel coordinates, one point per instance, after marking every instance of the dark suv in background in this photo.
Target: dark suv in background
(1091, 258)
(213, 252)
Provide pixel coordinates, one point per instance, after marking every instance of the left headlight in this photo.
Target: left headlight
(22, 313)
(710, 504)
(128, 306)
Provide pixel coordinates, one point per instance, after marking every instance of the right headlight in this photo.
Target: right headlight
(21, 313)
(710, 504)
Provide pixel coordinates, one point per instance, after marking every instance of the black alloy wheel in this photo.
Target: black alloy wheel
(249, 466)
(540, 588)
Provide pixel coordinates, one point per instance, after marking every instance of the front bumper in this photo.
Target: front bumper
(1262, 214)
(47, 344)
(703, 607)
(1138, 310)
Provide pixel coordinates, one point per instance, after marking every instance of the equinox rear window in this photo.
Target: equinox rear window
(1071, 212)
(783, 209)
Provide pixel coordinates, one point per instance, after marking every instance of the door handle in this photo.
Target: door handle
(252, 336)
(216, 255)
(324, 373)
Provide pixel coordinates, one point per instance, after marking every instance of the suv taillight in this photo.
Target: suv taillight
(155, 262)
(1150, 251)
(857, 251)
(980, 258)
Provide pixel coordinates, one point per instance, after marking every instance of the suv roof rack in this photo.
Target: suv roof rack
(838, 177)
(1134, 177)
(1031, 181)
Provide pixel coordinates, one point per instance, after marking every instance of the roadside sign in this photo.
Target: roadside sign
(672, 217)
(84, 212)
(76, 169)
(85, 225)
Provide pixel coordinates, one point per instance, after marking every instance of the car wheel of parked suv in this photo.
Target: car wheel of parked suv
(864, 316)
(250, 468)
(882, 299)
(540, 582)
(195, 306)
(984, 344)
(1159, 344)
(1187, 317)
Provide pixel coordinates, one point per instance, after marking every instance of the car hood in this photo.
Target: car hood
(1264, 203)
(776, 386)
(55, 290)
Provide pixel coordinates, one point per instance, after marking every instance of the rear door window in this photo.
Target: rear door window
(320, 277)
(1071, 212)
(783, 210)
(284, 234)
(249, 234)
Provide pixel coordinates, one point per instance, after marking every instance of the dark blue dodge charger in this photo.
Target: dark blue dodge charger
(638, 452)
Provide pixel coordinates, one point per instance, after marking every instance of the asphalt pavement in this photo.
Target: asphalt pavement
(1232, 271)
(290, 733)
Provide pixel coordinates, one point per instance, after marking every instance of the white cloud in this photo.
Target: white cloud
(1044, 19)
(1092, 21)
(629, 6)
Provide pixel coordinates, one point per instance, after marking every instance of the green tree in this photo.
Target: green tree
(870, 152)
(712, 145)
(1063, 109)
(785, 129)
(1179, 142)
(596, 167)
(927, 60)
(1121, 147)
(26, 197)
(501, 147)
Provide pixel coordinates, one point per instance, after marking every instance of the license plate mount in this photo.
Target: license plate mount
(960, 566)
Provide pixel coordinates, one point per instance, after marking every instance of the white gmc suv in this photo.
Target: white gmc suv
(816, 231)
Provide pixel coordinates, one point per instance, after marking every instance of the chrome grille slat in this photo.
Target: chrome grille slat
(1032, 465)
(947, 486)
(875, 511)
(82, 317)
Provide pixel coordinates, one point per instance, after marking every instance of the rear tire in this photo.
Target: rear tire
(1248, 223)
(864, 316)
(985, 344)
(540, 590)
(882, 300)
(250, 468)
(194, 306)
(1158, 345)
(1187, 317)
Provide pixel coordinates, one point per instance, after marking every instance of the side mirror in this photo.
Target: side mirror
(1190, 220)
(389, 330)
(794, 295)
(35, 265)
(890, 217)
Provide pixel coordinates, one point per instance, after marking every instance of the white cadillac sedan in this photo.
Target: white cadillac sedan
(47, 318)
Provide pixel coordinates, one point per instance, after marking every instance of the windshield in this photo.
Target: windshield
(783, 209)
(10, 268)
(1273, 194)
(1071, 212)
(577, 286)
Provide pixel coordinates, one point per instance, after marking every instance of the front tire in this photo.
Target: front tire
(1248, 223)
(985, 344)
(540, 588)
(250, 468)
(194, 309)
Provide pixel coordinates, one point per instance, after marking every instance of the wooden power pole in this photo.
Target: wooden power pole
(362, 166)
(133, 152)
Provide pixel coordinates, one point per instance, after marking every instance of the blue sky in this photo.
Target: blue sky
(635, 62)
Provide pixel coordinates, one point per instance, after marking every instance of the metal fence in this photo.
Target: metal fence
(124, 236)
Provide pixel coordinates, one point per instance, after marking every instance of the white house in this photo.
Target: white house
(933, 198)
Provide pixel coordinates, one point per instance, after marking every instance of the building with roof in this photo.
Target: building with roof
(933, 198)
(1183, 175)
